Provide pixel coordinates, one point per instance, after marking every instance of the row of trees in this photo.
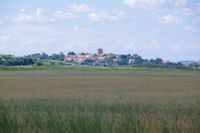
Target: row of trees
(39, 59)
(33, 59)
(140, 62)
(59, 56)
(14, 61)
(124, 60)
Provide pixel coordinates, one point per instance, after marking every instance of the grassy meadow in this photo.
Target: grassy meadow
(99, 101)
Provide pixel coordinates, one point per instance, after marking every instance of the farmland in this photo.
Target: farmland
(98, 100)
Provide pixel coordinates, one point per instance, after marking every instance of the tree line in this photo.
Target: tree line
(33, 59)
(54, 56)
(39, 59)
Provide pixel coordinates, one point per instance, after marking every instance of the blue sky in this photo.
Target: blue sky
(169, 29)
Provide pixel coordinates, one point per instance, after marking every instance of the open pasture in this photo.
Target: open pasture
(99, 101)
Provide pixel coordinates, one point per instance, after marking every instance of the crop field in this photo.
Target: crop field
(84, 101)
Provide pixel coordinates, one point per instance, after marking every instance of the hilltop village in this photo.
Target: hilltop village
(98, 59)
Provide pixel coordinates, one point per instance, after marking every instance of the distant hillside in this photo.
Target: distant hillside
(103, 59)
(188, 62)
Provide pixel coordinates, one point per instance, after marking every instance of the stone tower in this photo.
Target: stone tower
(99, 51)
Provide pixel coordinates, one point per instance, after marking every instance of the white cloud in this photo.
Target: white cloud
(188, 11)
(102, 15)
(185, 12)
(190, 28)
(176, 48)
(3, 47)
(5, 38)
(40, 16)
(154, 45)
(198, 7)
(94, 16)
(37, 16)
(39, 11)
(22, 10)
(117, 15)
(142, 3)
(193, 46)
(179, 3)
(79, 29)
(1, 22)
(76, 46)
(65, 15)
(196, 20)
(30, 42)
(170, 19)
(130, 47)
(153, 3)
(79, 8)
(23, 18)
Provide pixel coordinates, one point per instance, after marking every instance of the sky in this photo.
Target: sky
(169, 29)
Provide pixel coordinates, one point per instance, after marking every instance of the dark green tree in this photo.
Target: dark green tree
(71, 53)
(39, 63)
(158, 61)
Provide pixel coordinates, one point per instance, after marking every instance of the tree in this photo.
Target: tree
(123, 57)
(36, 55)
(110, 60)
(71, 53)
(122, 62)
(44, 56)
(28, 61)
(135, 55)
(7, 63)
(60, 63)
(88, 62)
(194, 65)
(138, 60)
(62, 56)
(158, 61)
(52, 63)
(39, 63)
(1, 61)
(83, 53)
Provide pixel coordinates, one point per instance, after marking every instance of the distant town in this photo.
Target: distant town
(98, 59)
(106, 59)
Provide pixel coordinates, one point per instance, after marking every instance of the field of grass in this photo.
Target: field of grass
(89, 68)
(99, 101)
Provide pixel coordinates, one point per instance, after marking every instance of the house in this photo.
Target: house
(70, 57)
(80, 58)
(131, 61)
(164, 62)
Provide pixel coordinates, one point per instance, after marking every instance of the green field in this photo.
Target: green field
(99, 100)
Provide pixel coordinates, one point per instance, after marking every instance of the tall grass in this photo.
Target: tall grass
(99, 102)
(89, 68)
(51, 117)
